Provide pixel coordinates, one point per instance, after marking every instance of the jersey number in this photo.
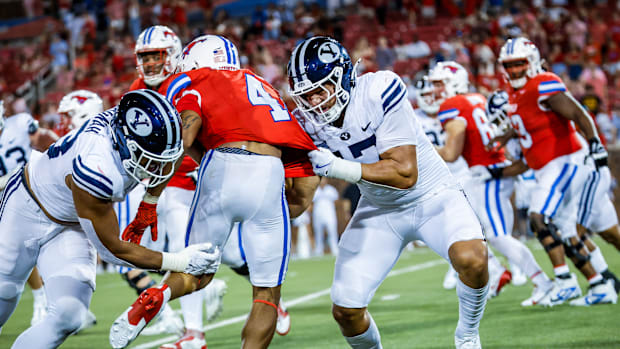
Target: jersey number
(484, 127)
(524, 138)
(21, 159)
(258, 96)
(56, 149)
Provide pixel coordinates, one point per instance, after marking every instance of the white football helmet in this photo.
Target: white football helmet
(424, 96)
(80, 106)
(1, 115)
(209, 51)
(454, 78)
(520, 49)
(162, 39)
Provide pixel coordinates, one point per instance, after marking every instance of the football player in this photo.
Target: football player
(468, 131)
(542, 116)
(58, 211)
(369, 136)
(75, 109)
(596, 212)
(20, 133)
(427, 115)
(238, 127)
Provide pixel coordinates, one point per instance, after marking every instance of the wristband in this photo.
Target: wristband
(174, 262)
(150, 199)
(350, 171)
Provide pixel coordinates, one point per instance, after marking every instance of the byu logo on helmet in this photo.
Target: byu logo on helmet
(329, 52)
(138, 122)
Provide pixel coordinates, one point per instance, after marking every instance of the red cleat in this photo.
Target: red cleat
(129, 324)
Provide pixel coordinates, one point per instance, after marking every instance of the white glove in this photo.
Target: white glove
(326, 164)
(196, 259)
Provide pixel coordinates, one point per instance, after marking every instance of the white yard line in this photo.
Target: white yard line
(289, 304)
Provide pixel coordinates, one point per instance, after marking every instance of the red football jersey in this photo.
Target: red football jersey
(470, 108)
(543, 134)
(237, 105)
(139, 84)
(180, 178)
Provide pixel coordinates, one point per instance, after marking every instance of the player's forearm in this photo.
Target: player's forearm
(447, 154)
(391, 173)
(299, 194)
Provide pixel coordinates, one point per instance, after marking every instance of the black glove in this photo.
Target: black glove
(597, 153)
(496, 173)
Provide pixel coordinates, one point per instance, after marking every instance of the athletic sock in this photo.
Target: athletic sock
(191, 307)
(471, 308)
(371, 339)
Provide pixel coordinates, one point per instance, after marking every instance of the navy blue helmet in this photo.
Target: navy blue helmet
(147, 134)
(315, 62)
(497, 109)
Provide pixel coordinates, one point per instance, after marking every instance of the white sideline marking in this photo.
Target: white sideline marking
(289, 304)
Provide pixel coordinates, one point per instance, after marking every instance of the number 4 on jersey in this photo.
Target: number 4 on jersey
(258, 96)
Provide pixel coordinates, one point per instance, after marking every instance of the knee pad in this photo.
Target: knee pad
(68, 313)
(242, 270)
(10, 290)
(542, 232)
(572, 251)
(133, 282)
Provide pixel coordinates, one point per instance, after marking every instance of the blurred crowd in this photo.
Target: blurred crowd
(92, 45)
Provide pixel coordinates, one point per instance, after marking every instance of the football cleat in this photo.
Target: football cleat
(562, 291)
(191, 339)
(129, 324)
(496, 284)
(167, 322)
(283, 324)
(451, 278)
(214, 298)
(518, 276)
(467, 342)
(603, 293)
(538, 293)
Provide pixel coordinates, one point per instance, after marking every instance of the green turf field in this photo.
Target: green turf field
(411, 309)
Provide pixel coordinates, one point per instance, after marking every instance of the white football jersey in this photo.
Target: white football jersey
(86, 154)
(437, 136)
(15, 142)
(379, 117)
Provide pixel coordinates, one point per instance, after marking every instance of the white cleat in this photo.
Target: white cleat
(191, 339)
(538, 294)
(450, 280)
(283, 324)
(467, 342)
(214, 298)
(167, 322)
(129, 324)
(562, 291)
(39, 310)
(604, 293)
(518, 276)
